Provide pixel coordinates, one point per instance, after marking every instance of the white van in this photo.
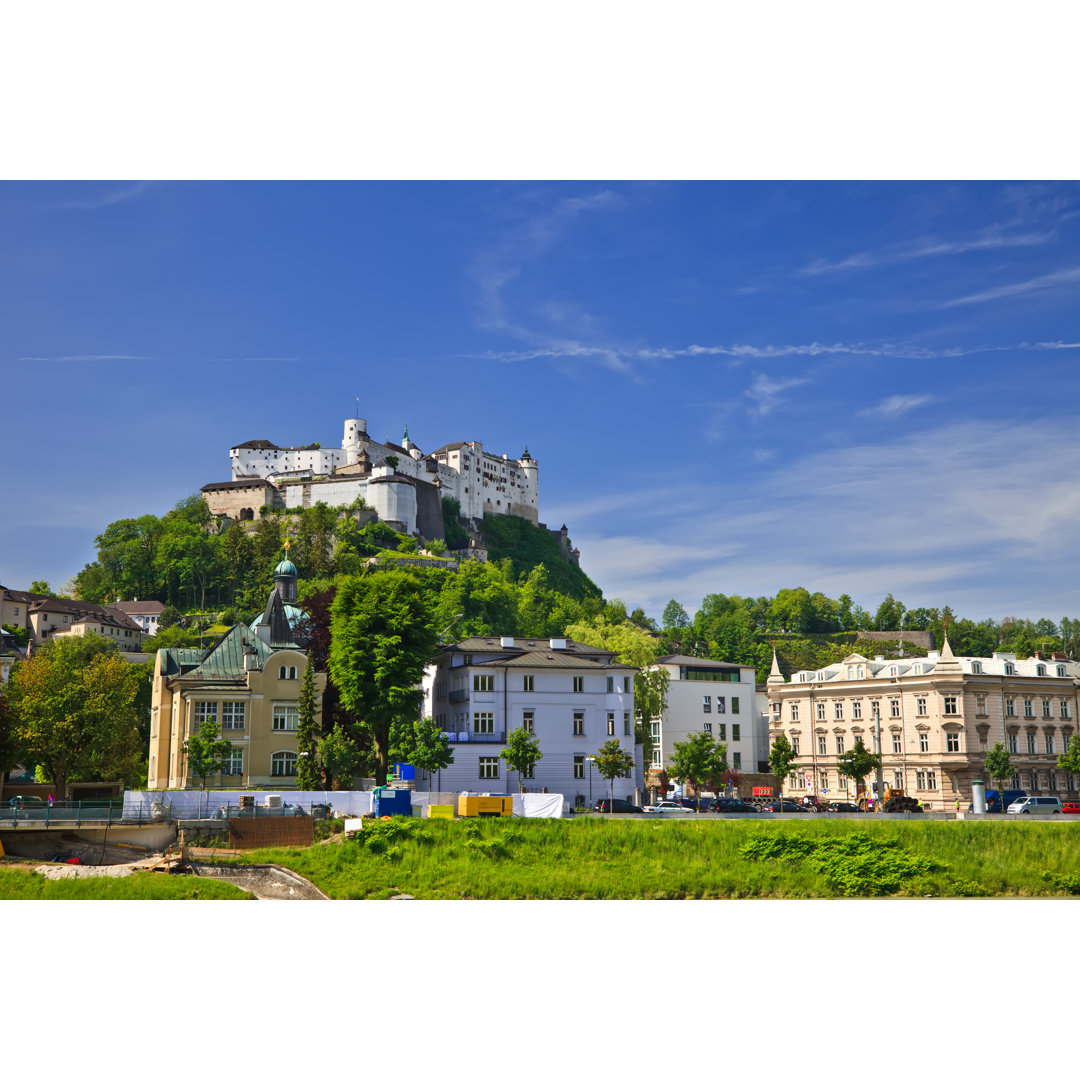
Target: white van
(1035, 804)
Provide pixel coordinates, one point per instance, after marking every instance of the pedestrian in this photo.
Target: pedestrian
(958, 806)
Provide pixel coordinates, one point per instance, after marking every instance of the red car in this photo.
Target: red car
(1070, 807)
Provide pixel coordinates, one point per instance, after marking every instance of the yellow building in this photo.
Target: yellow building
(249, 683)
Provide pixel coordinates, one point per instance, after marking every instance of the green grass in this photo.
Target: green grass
(24, 884)
(609, 860)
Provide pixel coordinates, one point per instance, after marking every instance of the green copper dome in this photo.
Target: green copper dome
(285, 569)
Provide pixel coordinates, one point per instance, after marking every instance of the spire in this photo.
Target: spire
(948, 664)
(405, 437)
(774, 675)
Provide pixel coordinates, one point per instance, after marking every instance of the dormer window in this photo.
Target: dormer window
(892, 672)
(1061, 671)
(976, 668)
(1010, 669)
(1040, 669)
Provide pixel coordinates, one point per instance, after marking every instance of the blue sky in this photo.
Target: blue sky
(730, 387)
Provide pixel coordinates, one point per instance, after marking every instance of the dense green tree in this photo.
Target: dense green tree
(999, 766)
(890, 614)
(342, 759)
(381, 638)
(521, 753)
(857, 763)
(1070, 760)
(431, 751)
(697, 760)
(781, 763)
(611, 762)
(75, 706)
(205, 750)
(307, 732)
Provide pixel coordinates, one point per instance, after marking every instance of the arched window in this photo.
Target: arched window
(1010, 669)
(1040, 669)
(1061, 671)
(283, 672)
(283, 763)
(292, 672)
(976, 668)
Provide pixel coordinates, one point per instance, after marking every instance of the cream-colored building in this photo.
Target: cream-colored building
(249, 684)
(934, 719)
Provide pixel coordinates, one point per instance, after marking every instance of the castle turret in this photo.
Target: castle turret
(354, 437)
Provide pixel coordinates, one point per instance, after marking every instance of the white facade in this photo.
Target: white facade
(573, 697)
(706, 695)
(480, 481)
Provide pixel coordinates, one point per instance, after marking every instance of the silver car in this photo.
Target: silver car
(1035, 804)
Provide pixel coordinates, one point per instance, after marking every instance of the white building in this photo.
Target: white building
(399, 481)
(707, 695)
(573, 697)
(147, 613)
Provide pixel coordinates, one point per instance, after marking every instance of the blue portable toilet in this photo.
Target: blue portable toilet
(395, 801)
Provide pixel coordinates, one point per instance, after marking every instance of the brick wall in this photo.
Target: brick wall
(256, 832)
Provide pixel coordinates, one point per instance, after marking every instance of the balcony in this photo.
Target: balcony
(497, 737)
(458, 695)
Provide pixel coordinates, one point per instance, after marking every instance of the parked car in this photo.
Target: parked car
(668, 807)
(810, 802)
(788, 808)
(732, 806)
(843, 808)
(616, 806)
(1036, 804)
(993, 799)
(1070, 807)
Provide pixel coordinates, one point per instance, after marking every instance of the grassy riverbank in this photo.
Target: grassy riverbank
(635, 859)
(24, 884)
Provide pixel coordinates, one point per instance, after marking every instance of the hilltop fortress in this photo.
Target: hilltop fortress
(401, 483)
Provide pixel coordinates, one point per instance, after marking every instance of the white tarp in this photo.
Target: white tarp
(532, 805)
(198, 804)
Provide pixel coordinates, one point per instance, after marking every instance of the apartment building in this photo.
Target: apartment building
(572, 697)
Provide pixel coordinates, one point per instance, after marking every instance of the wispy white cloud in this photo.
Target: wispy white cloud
(896, 405)
(108, 198)
(924, 249)
(1054, 280)
(932, 519)
(88, 358)
(765, 392)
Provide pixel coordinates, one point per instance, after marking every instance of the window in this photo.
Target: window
(611, 723)
(611, 684)
(1031, 743)
(706, 703)
(952, 741)
(1061, 671)
(1049, 742)
(950, 705)
(232, 715)
(924, 742)
(1063, 709)
(232, 764)
(1046, 708)
(795, 743)
(1040, 669)
(1053, 780)
(1034, 780)
(794, 714)
(722, 732)
(821, 745)
(839, 744)
(1013, 747)
(527, 684)
(894, 707)
(283, 763)
(483, 723)
(708, 727)
(851, 671)
(1010, 706)
(528, 773)
(898, 780)
(579, 684)
(897, 745)
(205, 710)
(579, 767)
(734, 704)
(920, 780)
(736, 760)
(1010, 669)
(856, 710)
(980, 704)
(287, 671)
(626, 684)
(776, 706)
(821, 710)
(734, 732)
(875, 710)
(485, 684)
(285, 717)
(489, 768)
(626, 723)
(1065, 743)
(654, 730)
(920, 706)
(931, 779)
(976, 668)
(527, 721)
(579, 723)
(838, 710)
(1029, 709)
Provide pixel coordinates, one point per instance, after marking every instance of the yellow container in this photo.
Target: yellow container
(446, 812)
(485, 805)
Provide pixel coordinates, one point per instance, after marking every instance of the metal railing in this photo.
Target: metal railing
(88, 812)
